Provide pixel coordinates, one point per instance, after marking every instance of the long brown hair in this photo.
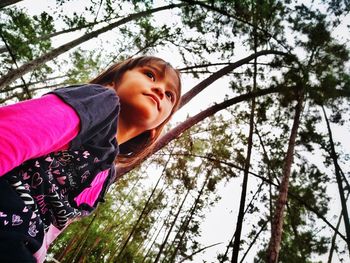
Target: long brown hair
(138, 147)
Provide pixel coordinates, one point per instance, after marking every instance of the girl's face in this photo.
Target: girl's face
(147, 95)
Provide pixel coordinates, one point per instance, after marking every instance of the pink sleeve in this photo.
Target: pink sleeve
(34, 128)
(90, 194)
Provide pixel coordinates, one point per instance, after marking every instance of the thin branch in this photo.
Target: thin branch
(175, 132)
(204, 66)
(14, 74)
(12, 55)
(225, 13)
(198, 251)
(291, 194)
(33, 83)
(222, 72)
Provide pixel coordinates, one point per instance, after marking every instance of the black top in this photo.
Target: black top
(98, 109)
(48, 184)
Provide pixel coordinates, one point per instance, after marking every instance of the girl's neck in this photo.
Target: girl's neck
(126, 132)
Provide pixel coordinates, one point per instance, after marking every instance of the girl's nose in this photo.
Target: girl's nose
(159, 91)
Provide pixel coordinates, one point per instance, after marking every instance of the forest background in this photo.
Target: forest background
(254, 167)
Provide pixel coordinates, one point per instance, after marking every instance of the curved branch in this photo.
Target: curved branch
(266, 180)
(17, 73)
(175, 132)
(225, 13)
(3, 49)
(205, 83)
(198, 251)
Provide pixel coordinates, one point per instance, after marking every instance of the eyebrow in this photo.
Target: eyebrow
(159, 72)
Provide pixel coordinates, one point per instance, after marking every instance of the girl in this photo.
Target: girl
(57, 153)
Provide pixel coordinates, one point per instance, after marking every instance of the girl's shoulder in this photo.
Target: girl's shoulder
(98, 110)
(87, 95)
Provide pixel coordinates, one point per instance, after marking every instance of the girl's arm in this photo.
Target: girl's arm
(34, 128)
(67, 117)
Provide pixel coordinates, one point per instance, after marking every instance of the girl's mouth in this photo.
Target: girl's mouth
(155, 99)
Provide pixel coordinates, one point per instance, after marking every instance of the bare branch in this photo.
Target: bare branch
(222, 72)
(35, 63)
(175, 132)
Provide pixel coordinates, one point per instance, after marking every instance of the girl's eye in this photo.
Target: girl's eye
(170, 95)
(150, 75)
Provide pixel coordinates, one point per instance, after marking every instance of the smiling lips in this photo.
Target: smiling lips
(155, 98)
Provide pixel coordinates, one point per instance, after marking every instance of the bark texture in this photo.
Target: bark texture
(277, 226)
(338, 176)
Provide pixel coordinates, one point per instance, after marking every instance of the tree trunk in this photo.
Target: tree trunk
(253, 242)
(291, 194)
(154, 240)
(339, 181)
(61, 254)
(277, 227)
(17, 73)
(171, 228)
(150, 235)
(189, 218)
(240, 217)
(83, 238)
(225, 257)
(142, 212)
(331, 250)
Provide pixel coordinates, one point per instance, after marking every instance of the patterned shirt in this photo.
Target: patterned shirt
(49, 186)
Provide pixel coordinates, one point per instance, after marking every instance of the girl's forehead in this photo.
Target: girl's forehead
(161, 68)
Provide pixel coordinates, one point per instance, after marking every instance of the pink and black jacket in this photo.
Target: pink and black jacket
(56, 163)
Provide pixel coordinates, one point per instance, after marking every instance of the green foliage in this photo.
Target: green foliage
(23, 33)
(85, 65)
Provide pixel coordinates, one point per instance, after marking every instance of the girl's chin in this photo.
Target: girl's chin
(141, 117)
